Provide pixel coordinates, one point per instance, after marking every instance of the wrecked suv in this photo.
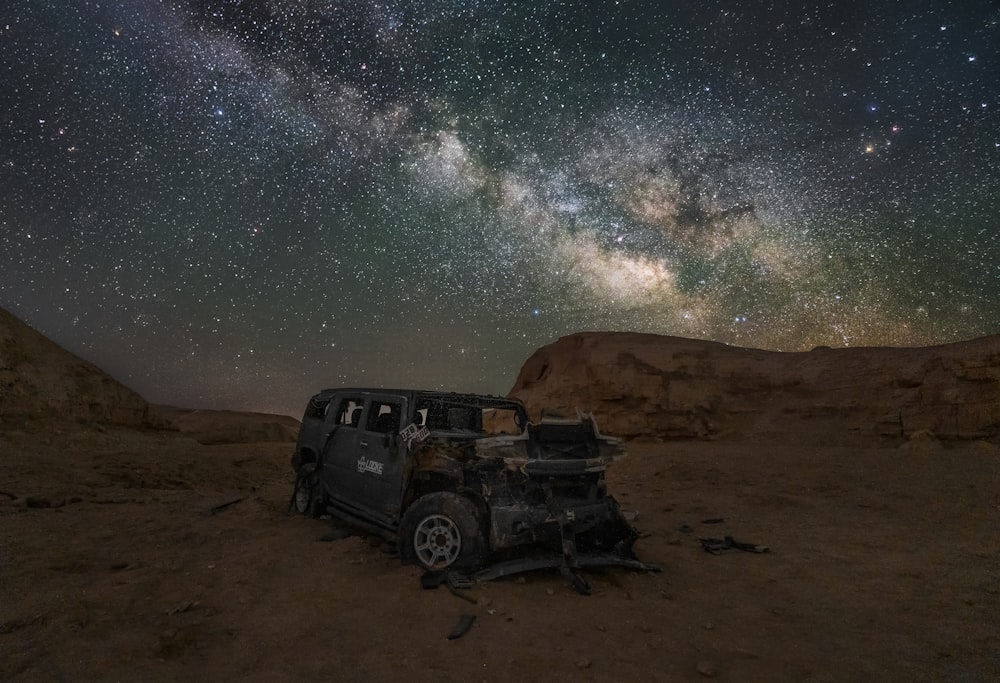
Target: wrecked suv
(457, 479)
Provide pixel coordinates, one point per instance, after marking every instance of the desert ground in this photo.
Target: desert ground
(120, 560)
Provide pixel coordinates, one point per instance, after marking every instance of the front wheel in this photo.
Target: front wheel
(443, 530)
(308, 496)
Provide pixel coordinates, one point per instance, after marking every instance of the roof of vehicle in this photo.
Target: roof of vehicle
(486, 399)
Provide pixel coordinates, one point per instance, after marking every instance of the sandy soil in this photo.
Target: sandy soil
(883, 565)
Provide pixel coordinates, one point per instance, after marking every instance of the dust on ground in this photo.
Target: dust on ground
(120, 560)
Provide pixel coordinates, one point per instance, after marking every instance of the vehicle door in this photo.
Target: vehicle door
(365, 458)
(341, 438)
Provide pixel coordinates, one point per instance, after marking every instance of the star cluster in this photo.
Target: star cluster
(233, 203)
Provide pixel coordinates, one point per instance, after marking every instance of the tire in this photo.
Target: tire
(443, 530)
(308, 494)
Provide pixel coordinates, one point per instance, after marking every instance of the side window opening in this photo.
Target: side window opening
(501, 421)
(350, 411)
(383, 417)
(468, 417)
(316, 410)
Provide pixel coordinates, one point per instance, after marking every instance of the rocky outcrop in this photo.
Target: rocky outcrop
(40, 379)
(225, 426)
(642, 385)
(44, 385)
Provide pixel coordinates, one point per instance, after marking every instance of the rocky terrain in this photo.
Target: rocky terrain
(42, 383)
(641, 385)
(142, 543)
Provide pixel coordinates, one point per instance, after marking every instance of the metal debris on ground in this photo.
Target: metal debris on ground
(191, 604)
(454, 581)
(462, 627)
(215, 509)
(717, 546)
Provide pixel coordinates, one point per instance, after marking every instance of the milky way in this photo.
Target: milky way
(231, 203)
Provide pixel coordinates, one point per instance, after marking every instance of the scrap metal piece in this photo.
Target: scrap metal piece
(459, 581)
(454, 581)
(215, 509)
(579, 583)
(527, 564)
(432, 579)
(717, 546)
(465, 623)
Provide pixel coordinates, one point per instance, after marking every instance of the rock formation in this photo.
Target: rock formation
(40, 379)
(643, 385)
(43, 383)
(225, 426)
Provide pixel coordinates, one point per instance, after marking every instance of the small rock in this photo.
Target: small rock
(708, 627)
(335, 535)
(550, 591)
(584, 663)
(37, 502)
(707, 669)
(520, 579)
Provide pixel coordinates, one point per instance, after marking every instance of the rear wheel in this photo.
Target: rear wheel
(443, 530)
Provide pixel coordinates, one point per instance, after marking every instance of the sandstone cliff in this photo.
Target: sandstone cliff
(43, 384)
(642, 385)
(40, 379)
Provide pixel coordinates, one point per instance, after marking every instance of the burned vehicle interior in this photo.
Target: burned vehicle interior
(464, 482)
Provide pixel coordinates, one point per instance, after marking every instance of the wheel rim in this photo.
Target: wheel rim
(437, 542)
(303, 493)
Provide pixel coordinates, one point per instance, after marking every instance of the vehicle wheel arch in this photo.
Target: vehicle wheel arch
(307, 455)
(441, 482)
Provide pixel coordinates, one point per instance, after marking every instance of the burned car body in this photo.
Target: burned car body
(458, 478)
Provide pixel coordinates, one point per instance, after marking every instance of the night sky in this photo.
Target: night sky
(233, 204)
